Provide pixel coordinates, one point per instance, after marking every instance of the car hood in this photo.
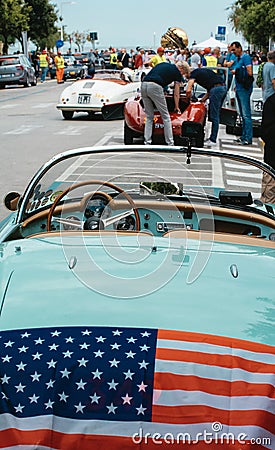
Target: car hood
(201, 286)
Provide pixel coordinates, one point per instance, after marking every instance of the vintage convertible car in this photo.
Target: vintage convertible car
(193, 115)
(106, 92)
(137, 302)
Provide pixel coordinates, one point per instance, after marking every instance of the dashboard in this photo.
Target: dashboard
(157, 216)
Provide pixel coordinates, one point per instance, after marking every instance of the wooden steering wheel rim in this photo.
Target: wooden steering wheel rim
(92, 182)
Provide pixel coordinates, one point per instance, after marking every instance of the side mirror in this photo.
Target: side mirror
(11, 201)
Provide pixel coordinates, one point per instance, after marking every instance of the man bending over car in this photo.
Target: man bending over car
(152, 94)
(216, 92)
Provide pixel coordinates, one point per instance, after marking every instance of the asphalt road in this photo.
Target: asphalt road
(32, 130)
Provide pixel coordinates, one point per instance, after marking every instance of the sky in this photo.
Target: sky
(130, 24)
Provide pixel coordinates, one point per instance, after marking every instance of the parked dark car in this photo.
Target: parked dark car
(73, 69)
(16, 69)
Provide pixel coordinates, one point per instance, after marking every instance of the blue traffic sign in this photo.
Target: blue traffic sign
(221, 30)
(59, 43)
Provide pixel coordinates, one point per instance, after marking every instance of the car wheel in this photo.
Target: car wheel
(34, 83)
(128, 135)
(91, 114)
(229, 129)
(68, 115)
(2, 86)
(27, 83)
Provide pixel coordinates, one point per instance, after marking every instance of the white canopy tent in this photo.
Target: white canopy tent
(212, 43)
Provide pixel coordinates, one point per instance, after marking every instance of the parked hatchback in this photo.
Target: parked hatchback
(16, 69)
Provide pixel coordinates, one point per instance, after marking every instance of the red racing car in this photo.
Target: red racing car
(190, 123)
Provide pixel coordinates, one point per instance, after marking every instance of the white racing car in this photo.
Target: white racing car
(106, 92)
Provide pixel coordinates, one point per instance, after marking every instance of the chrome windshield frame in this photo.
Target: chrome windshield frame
(133, 149)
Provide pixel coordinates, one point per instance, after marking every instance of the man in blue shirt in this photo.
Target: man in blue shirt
(243, 94)
(152, 94)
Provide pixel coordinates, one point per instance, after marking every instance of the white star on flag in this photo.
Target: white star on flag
(129, 374)
(20, 388)
(34, 398)
(97, 374)
(114, 362)
(82, 362)
(143, 364)
(142, 387)
(80, 384)
(49, 404)
(94, 398)
(141, 410)
(63, 397)
(36, 376)
(127, 399)
(65, 373)
(112, 385)
(79, 407)
(37, 355)
(55, 333)
(111, 408)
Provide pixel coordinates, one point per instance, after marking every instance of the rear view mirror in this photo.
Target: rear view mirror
(11, 201)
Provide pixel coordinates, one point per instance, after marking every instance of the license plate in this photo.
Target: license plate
(258, 105)
(72, 73)
(84, 98)
(7, 75)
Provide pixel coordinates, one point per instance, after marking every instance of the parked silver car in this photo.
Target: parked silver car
(256, 101)
(16, 69)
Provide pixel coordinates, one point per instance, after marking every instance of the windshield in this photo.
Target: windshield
(166, 172)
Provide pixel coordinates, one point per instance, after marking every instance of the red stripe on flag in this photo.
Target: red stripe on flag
(203, 414)
(215, 340)
(60, 441)
(168, 381)
(210, 359)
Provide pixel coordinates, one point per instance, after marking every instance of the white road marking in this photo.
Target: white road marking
(14, 105)
(43, 105)
(241, 167)
(244, 175)
(23, 129)
(72, 130)
(242, 183)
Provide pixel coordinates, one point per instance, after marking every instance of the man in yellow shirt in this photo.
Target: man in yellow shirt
(59, 65)
(158, 58)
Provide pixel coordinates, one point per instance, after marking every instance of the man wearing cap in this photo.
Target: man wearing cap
(44, 65)
(59, 64)
(158, 58)
(152, 94)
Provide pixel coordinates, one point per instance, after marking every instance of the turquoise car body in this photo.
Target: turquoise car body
(202, 299)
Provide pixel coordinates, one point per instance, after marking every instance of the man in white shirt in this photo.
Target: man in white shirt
(195, 61)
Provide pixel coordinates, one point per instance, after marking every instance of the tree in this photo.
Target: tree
(14, 18)
(255, 20)
(79, 38)
(42, 29)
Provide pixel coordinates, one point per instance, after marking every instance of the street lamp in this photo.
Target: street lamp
(61, 17)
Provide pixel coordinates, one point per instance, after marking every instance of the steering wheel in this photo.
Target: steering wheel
(102, 222)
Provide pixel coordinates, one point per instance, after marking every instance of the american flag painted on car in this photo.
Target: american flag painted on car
(119, 388)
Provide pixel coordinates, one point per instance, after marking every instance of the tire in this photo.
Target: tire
(34, 83)
(2, 86)
(128, 135)
(68, 115)
(229, 129)
(91, 114)
(27, 83)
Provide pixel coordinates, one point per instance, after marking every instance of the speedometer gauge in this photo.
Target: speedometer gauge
(127, 223)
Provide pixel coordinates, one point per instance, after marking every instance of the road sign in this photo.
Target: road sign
(93, 36)
(220, 37)
(59, 43)
(221, 30)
